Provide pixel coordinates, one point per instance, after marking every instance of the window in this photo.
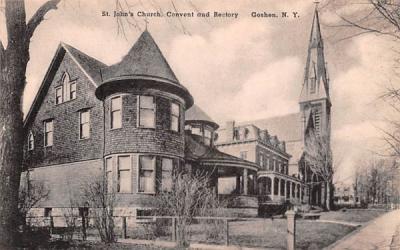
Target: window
(243, 155)
(166, 174)
(84, 124)
(261, 160)
(116, 118)
(48, 133)
(109, 175)
(59, 95)
(313, 86)
(146, 112)
(197, 131)
(175, 117)
(47, 212)
(146, 174)
(31, 141)
(67, 91)
(72, 92)
(124, 174)
(207, 136)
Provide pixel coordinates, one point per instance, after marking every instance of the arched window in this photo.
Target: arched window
(31, 141)
(69, 87)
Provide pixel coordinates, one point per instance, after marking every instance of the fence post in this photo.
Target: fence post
(173, 229)
(83, 227)
(291, 229)
(51, 224)
(226, 232)
(124, 227)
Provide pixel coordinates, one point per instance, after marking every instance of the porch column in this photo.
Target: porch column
(245, 182)
(255, 184)
(296, 194)
(272, 188)
(238, 184)
(279, 187)
(290, 190)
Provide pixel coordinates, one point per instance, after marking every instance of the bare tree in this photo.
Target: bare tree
(318, 155)
(31, 193)
(191, 196)
(101, 202)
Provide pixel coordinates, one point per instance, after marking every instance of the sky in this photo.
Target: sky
(241, 68)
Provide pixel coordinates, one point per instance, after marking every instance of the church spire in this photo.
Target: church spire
(316, 85)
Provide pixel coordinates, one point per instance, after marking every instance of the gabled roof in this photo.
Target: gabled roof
(144, 59)
(287, 127)
(195, 113)
(90, 67)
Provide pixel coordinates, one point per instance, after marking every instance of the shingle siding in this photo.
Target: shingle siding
(131, 138)
(67, 147)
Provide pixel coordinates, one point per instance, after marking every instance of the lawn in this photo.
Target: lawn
(272, 233)
(353, 215)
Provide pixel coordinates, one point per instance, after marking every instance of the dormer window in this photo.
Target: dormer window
(31, 141)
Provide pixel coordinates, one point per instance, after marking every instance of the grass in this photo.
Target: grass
(265, 233)
(353, 215)
(272, 233)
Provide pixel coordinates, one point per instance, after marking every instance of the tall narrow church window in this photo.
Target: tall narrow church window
(317, 121)
(124, 174)
(48, 133)
(147, 112)
(31, 141)
(313, 85)
(146, 174)
(116, 117)
(84, 124)
(175, 116)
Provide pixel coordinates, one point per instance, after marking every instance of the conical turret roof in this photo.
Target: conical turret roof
(196, 114)
(143, 67)
(143, 59)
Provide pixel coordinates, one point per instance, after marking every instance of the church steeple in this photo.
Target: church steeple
(314, 100)
(316, 82)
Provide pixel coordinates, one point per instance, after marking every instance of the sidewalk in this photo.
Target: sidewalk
(377, 234)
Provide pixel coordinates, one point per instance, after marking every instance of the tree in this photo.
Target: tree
(101, 199)
(13, 62)
(191, 196)
(318, 156)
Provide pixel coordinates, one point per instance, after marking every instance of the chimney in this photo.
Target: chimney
(230, 129)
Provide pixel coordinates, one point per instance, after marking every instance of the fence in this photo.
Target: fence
(140, 227)
(209, 230)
